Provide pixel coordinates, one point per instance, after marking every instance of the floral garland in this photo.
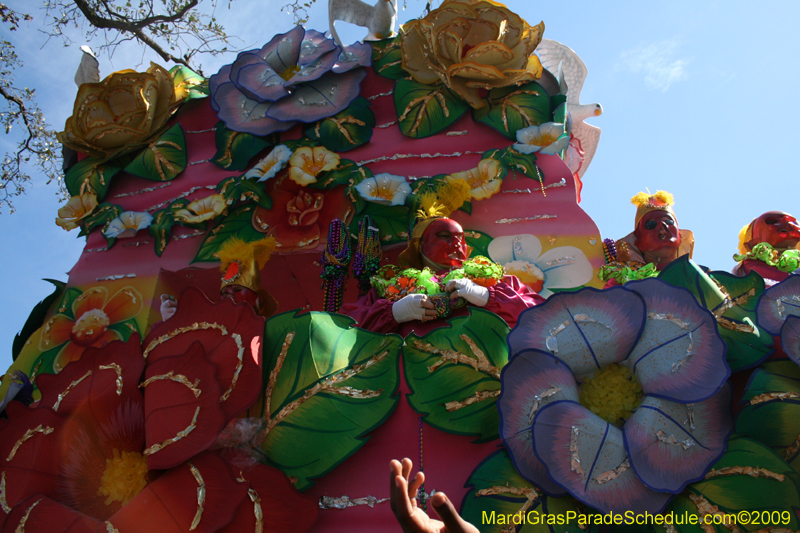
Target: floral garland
(625, 272)
(786, 261)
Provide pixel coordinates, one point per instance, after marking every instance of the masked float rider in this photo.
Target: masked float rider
(781, 232)
(241, 263)
(438, 243)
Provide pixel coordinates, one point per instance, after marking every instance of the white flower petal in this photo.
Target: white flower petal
(523, 247)
(564, 267)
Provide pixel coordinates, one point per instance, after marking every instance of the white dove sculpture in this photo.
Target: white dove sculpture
(378, 19)
(89, 69)
(571, 72)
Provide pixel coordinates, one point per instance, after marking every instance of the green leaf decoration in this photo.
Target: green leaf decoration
(515, 162)
(454, 374)
(513, 108)
(479, 242)
(749, 477)
(238, 223)
(346, 130)
(772, 413)
(498, 494)
(326, 385)
(36, 318)
(163, 159)
(161, 228)
(188, 81)
(732, 300)
(235, 149)
(90, 175)
(294, 144)
(359, 204)
(67, 299)
(425, 110)
(559, 105)
(126, 328)
(344, 174)
(387, 58)
(240, 189)
(101, 216)
(391, 220)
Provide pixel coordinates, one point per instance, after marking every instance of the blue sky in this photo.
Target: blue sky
(698, 99)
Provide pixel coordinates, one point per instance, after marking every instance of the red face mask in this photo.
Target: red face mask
(779, 229)
(240, 294)
(443, 242)
(657, 230)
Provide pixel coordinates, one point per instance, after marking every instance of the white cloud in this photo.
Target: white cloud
(658, 62)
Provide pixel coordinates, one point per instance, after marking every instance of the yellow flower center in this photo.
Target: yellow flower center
(124, 477)
(290, 72)
(90, 326)
(612, 393)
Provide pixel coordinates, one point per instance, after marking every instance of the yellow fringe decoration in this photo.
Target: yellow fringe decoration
(449, 196)
(745, 235)
(662, 198)
(235, 248)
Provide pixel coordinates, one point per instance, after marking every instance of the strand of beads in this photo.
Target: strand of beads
(368, 254)
(335, 263)
(421, 491)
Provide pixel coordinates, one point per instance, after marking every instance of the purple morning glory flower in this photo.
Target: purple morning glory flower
(299, 76)
(618, 397)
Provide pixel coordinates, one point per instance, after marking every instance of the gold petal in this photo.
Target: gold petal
(470, 94)
(491, 53)
(413, 46)
(449, 47)
(474, 71)
(481, 31)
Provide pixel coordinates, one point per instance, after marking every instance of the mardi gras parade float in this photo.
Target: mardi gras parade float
(325, 257)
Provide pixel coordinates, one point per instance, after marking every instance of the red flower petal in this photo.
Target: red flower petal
(283, 508)
(29, 454)
(41, 514)
(170, 503)
(182, 410)
(92, 383)
(230, 334)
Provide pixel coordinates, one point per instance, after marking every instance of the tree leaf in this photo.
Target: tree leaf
(498, 492)
(515, 162)
(240, 189)
(90, 175)
(749, 344)
(425, 110)
(36, 318)
(345, 130)
(235, 149)
(387, 58)
(163, 159)
(445, 395)
(513, 108)
(335, 385)
(238, 223)
(733, 490)
(391, 220)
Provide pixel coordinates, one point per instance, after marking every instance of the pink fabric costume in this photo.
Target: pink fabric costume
(507, 299)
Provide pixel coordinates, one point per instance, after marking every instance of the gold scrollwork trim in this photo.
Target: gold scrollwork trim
(116, 368)
(240, 355)
(3, 501)
(158, 447)
(179, 378)
(28, 434)
(175, 332)
(201, 495)
(21, 526)
(69, 389)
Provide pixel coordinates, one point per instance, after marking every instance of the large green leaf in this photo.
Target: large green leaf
(163, 159)
(732, 300)
(391, 221)
(185, 79)
(387, 58)
(126, 328)
(498, 493)
(346, 130)
(240, 189)
(90, 175)
(235, 149)
(327, 385)
(36, 318)
(237, 224)
(425, 110)
(101, 217)
(479, 242)
(516, 162)
(733, 489)
(513, 108)
(163, 220)
(347, 172)
(772, 413)
(67, 299)
(454, 374)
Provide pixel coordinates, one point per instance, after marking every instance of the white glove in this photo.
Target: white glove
(469, 290)
(168, 307)
(409, 308)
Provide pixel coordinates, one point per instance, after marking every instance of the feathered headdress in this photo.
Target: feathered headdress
(241, 261)
(449, 195)
(745, 236)
(646, 202)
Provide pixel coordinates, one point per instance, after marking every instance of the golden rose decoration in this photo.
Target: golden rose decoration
(120, 113)
(472, 45)
(76, 209)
